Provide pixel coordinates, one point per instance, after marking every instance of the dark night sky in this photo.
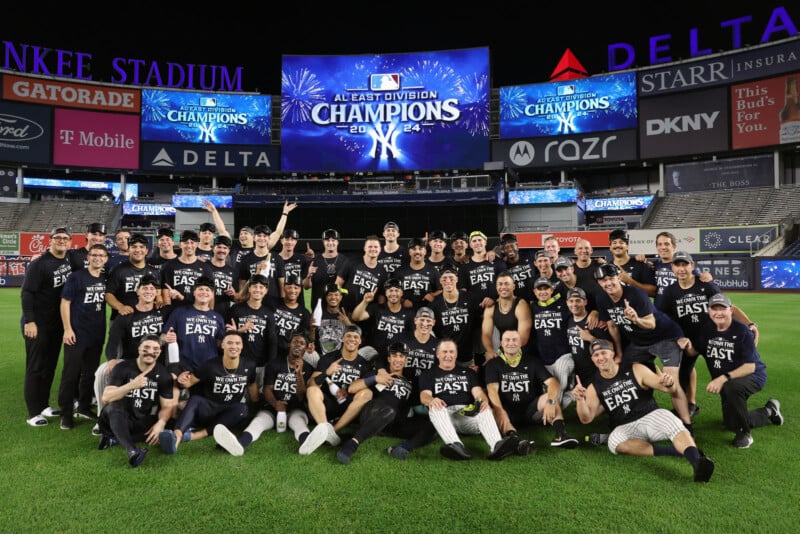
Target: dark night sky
(525, 43)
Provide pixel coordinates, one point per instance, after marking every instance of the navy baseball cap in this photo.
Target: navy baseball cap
(618, 234)
(437, 234)
(607, 269)
(223, 240)
(149, 280)
(208, 227)
(330, 233)
(448, 267)
(508, 238)
(96, 228)
(398, 346)
(455, 236)
(259, 279)
(262, 229)
(293, 281)
(600, 344)
(203, 281)
(416, 242)
(392, 282)
(137, 238)
(290, 234)
(189, 235)
(165, 232)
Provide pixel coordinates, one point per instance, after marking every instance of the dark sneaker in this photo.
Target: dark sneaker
(564, 441)
(774, 405)
(524, 447)
(505, 447)
(704, 469)
(136, 457)
(85, 413)
(743, 440)
(596, 439)
(168, 441)
(343, 456)
(398, 452)
(106, 441)
(693, 410)
(455, 451)
(67, 422)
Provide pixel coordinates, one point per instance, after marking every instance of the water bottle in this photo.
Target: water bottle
(281, 425)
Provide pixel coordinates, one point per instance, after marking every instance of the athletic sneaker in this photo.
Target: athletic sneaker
(136, 457)
(774, 405)
(505, 447)
(67, 422)
(316, 438)
(107, 441)
(37, 420)
(693, 410)
(85, 413)
(455, 451)
(227, 440)
(704, 469)
(51, 412)
(743, 440)
(168, 441)
(596, 439)
(564, 441)
(398, 452)
(524, 447)
(333, 438)
(96, 430)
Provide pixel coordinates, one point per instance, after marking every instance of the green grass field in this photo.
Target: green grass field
(57, 481)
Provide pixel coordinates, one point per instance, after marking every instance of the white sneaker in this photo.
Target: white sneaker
(37, 420)
(96, 430)
(51, 412)
(316, 438)
(227, 440)
(333, 438)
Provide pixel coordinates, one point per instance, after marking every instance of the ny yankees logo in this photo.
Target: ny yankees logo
(566, 123)
(386, 140)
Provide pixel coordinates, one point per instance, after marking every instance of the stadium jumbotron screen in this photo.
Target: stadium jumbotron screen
(599, 103)
(385, 112)
(208, 118)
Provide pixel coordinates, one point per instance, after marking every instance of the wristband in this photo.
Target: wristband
(752, 324)
(285, 214)
(727, 375)
(370, 381)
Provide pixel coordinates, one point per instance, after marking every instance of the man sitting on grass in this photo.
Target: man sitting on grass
(637, 423)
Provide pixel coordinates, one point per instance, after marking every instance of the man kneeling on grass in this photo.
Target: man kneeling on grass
(136, 388)
(626, 392)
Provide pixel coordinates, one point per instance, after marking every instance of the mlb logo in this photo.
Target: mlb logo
(208, 101)
(566, 90)
(384, 82)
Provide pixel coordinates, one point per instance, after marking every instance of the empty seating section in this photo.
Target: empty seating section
(762, 205)
(44, 215)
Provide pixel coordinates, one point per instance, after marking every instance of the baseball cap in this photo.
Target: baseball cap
(682, 255)
(541, 254)
(561, 261)
(165, 232)
(576, 293)
(455, 236)
(426, 312)
(477, 233)
(618, 234)
(719, 300)
(416, 242)
(149, 280)
(208, 227)
(137, 238)
(293, 280)
(391, 224)
(189, 235)
(96, 228)
(332, 288)
(392, 282)
(508, 238)
(542, 281)
(600, 344)
(248, 229)
(330, 233)
(290, 234)
(607, 269)
(203, 281)
(353, 328)
(61, 230)
(223, 240)
(262, 229)
(437, 234)
(448, 267)
(259, 279)
(398, 346)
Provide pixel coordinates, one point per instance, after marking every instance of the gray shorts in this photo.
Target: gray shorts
(667, 351)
